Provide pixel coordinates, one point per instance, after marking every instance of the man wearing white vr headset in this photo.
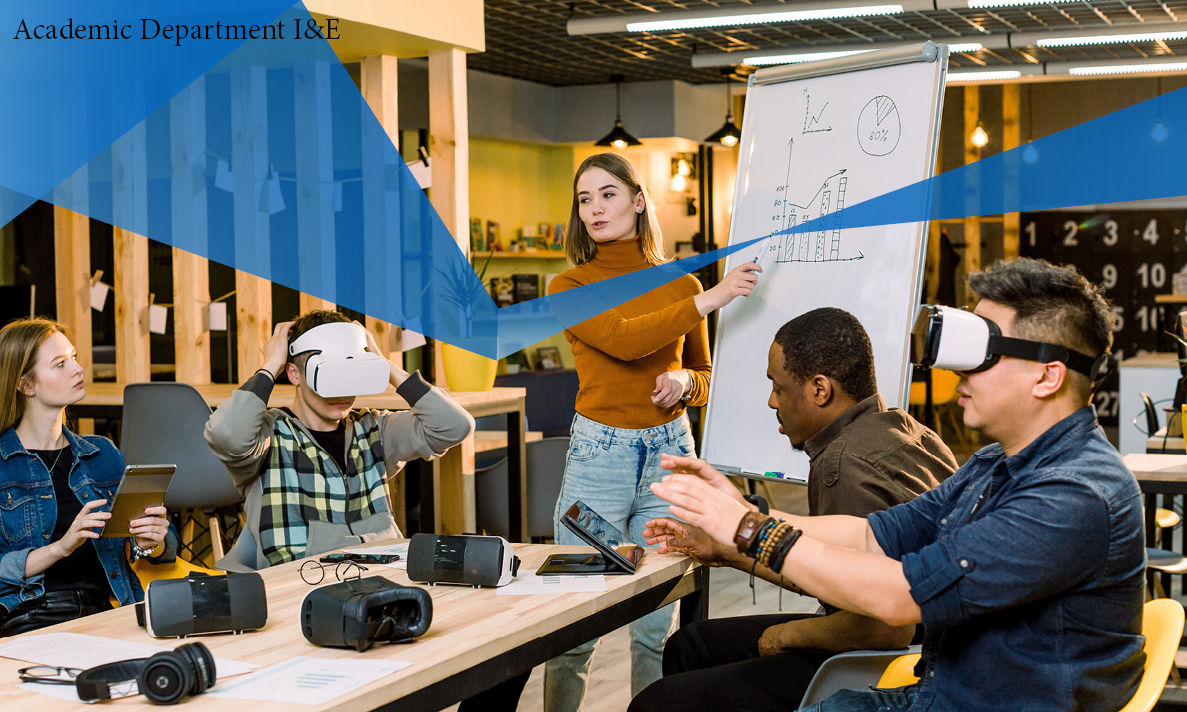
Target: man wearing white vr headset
(313, 474)
(1026, 566)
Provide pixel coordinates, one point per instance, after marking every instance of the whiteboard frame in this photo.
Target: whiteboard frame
(927, 52)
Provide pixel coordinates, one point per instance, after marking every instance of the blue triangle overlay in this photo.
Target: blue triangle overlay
(262, 155)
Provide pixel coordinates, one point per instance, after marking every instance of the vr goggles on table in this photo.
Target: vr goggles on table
(959, 340)
(339, 363)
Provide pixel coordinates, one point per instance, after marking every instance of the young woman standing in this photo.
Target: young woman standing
(640, 365)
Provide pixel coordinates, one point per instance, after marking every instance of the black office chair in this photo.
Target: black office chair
(1151, 415)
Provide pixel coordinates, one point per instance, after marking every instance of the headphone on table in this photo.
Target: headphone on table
(165, 678)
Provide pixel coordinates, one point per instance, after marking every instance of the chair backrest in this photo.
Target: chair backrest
(545, 470)
(242, 555)
(847, 671)
(162, 423)
(1151, 414)
(1162, 624)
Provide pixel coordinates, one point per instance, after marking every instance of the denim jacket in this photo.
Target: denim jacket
(28, 511)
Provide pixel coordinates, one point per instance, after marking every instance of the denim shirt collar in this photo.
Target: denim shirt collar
(821, 439)
(1052, 443)
(10, 444)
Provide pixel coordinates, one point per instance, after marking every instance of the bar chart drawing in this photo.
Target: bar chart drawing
(822, 244)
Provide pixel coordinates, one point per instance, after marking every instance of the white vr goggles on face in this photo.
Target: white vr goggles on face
(959, 340)
(339, 363)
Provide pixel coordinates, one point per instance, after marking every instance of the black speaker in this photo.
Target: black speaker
(467, 560)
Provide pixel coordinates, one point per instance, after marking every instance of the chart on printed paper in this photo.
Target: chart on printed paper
(812, 146)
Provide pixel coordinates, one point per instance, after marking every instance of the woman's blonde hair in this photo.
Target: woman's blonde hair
(580, 247)
(19, 342)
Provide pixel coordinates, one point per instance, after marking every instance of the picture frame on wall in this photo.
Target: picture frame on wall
(517, 362)
(477, 236)
(548, 358)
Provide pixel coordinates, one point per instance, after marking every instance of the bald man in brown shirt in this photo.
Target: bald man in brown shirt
(864, 457)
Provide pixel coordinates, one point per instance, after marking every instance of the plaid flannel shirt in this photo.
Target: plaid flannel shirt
(302, 483)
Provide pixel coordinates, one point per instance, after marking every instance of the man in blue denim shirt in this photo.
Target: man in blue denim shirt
(1026, 566)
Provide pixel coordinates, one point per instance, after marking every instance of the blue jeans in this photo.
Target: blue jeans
(894, 699)
(610, 469)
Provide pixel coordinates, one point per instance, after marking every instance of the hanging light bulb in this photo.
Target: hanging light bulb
(1159, 131)
(729, 133)
(618, 136)
(979, 137)
(1030, 154)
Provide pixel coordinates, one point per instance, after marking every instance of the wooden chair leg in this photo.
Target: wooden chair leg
(187, 534)
(216, 536)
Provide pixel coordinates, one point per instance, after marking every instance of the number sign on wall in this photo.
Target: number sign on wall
(1133, 255)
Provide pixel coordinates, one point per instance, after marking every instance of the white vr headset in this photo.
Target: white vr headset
(339, 363)
(959, 340)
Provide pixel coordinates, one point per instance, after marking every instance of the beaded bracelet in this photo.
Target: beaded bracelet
(783, 547)
(772, 542)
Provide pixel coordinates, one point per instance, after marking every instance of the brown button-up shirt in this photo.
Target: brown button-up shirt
(871, 458)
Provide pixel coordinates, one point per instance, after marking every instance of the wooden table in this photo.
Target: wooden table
(1158, 474)
(441, 488)
(476, 639)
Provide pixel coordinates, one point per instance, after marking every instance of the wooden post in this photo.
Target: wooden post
(72, 267)
(191, 274)
(378, 80)
(1011, 137)
(129, 179)
(249, 165)
(932, 263)
(315, 184)
(449, 152)
(972, 224)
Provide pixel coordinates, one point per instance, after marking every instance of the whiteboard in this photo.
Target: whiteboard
(815, 139)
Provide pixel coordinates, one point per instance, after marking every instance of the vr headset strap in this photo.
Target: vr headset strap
(1043, 353)
(95, 683)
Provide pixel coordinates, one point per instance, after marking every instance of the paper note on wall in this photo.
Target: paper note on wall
(158, 316)
(99, 292)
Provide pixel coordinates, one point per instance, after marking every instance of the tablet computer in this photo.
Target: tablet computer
(142, 486)
(615, 553)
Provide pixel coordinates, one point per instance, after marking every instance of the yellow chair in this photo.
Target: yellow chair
(180, 568)
(1162, 624)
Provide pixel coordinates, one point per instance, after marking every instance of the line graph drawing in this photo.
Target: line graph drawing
(879, 126)
(812, 121)
(821, 245)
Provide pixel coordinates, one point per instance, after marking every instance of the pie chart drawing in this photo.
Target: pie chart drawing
(879, 126)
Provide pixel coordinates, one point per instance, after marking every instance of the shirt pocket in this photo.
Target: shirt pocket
(17, 512)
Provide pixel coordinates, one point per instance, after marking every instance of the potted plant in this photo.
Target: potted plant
(466, 370)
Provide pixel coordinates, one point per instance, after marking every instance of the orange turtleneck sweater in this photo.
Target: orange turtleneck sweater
(620, 352)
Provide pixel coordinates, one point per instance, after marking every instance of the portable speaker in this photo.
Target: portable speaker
(467, 560)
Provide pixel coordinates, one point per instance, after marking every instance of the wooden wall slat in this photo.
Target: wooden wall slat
(72, 266)
(191, 274)
(378, 86)
(972, 224)
(249, 166)
(1011, 137)
(315, 185)
(129, 170)
(449, 153)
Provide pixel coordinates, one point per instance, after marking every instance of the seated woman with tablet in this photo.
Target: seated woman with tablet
(54, 490)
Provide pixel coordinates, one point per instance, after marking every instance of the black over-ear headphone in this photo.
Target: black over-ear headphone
(165, 678)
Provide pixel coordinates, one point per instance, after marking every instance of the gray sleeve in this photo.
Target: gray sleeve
(238, 430)
(433, 425)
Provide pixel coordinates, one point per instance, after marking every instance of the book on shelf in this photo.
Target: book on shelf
(477, 236)
(527, 286)
(502, 290)
(492, 236)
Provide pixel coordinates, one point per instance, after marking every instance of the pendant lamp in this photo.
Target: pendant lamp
(729, 134)
(618, 136)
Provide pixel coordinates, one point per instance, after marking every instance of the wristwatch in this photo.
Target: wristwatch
(142, 553)
(687, 396)
(747, 530)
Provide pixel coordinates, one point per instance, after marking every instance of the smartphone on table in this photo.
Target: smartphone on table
(359, 558)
